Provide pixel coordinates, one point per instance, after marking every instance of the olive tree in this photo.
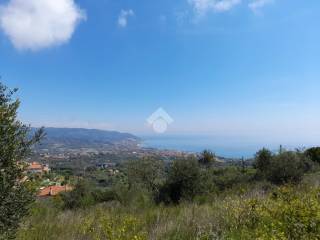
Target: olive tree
(16, 143)
(262, 161)
(146, 172)
(183, 182)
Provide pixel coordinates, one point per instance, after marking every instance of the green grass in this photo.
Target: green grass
(287, 212)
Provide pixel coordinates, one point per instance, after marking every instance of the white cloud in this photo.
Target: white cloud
(203, 6)
(256, 5)
(123, 17)
(37, 24)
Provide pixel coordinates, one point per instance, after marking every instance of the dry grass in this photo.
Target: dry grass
(251, 215)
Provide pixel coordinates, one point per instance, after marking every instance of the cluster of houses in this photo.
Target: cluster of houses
(37, 168)
(40, 169)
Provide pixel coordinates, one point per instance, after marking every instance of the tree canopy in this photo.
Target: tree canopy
(15, 145)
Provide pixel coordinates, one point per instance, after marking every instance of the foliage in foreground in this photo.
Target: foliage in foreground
(189, 200)
(186, 199)
(285, 213)
(15, 145)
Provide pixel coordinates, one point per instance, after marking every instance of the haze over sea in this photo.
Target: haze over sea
(226, 146)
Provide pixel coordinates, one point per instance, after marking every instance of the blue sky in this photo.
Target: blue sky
(229, 67)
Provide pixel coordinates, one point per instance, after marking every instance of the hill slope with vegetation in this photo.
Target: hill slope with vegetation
(75, 138)
(275, 197)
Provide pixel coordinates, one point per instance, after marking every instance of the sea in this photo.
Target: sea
(228, 147)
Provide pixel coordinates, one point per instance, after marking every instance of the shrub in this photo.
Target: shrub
(183, 181)
(207, 158)
(85, 195)
(262, 162)
(105, 195)
(285, 214)
(289, 212)
(80, 197)
(313, 154)
(285, 168)
(146, 172)
(226, 178)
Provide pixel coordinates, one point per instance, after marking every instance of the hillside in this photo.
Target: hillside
(75, 138)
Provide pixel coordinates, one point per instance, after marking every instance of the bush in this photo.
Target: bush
(285, 168)
(147, 173)
(313, 154)
(184, 181)
(226, 178)
(285, 214)
(105, 195)
(207, 158)
(85, 195)
(80, 197)
(262, 162)
(288, 212)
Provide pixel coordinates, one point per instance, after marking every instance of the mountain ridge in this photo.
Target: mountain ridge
(73, 138)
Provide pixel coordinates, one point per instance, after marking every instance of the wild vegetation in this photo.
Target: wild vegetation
(276, 197)
(15, 145)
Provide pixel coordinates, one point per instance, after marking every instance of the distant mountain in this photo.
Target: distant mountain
(73, 138)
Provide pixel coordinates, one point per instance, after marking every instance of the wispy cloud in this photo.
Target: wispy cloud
(201, 7)
(257, 5)
(37, 24)
(123, 17)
